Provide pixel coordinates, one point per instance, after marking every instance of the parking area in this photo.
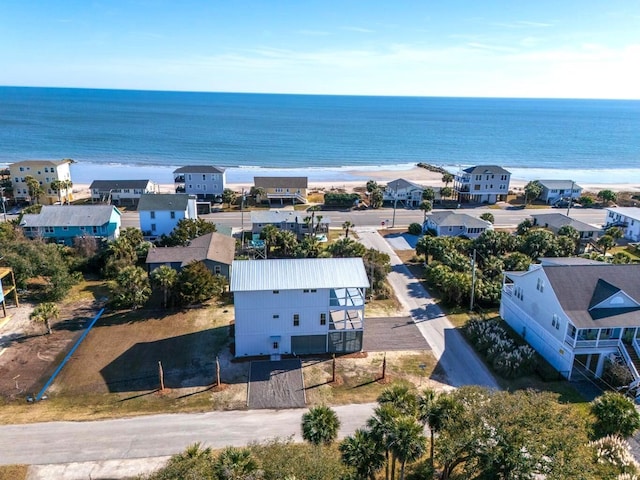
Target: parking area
(392, 333)
(276, 384)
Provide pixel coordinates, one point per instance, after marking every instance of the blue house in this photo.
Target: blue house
(63, 223)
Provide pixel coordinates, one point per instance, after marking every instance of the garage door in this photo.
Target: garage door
(304, 344)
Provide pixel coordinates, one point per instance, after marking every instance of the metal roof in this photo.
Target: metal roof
(199, 169)
(629, 212)
(163, 201)
(297, 274)
(117, 184)
(281, 182)
(69, 216)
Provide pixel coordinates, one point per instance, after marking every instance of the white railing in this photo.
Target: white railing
(634, 371)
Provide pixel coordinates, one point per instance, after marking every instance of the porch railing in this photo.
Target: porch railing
(623, 351)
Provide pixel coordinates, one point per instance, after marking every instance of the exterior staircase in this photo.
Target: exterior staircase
(633, 355)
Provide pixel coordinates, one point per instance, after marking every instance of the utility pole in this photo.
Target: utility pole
(570, 198)
(395, 203)
(4, 206)
(242, 219)
(473, 279)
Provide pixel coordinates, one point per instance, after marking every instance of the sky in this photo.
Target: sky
(470, 48)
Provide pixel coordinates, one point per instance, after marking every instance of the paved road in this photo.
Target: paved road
(504, 218)
(459, 361)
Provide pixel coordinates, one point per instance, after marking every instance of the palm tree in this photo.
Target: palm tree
(400, 397)
(407, 441)
(434, 410)
(606, 242)
(235, 464)
(320, 425)
(165, 277)
(346, 226)
(287, 242)
(56, 186)
(45, 312)
(67, 185)
(382, 424)
(363, 453)
(426, 207)
(428, 194)
(310, 246)
(35, 189)
(270, 235)
(447, 178)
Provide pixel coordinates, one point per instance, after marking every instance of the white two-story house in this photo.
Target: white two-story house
(627, 218)
(206, 182)
(121, 192)
(575, 315)
(298, 306)
(554, 190)
(482, 184)
(406, 193)
(160, 212)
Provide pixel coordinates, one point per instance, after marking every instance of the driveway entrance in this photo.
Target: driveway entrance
(276, 385)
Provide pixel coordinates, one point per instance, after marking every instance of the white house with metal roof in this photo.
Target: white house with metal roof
(63, 223)
(482, 184)
(160, 212)
(204, 181)
(452, 224)
(554, 190)
(298, 306)
(575, 315)
(627, 218)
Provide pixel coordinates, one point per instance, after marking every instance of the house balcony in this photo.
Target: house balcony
(463, 189)
(178, 179)
(287, 196)
(342, 320)
(347, 298)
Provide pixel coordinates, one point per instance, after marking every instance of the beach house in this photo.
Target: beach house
(300, 223)
(121, 192)
(627, 218)
(453, 224)
(558, 190)
(160, 212)
(482, 184)
(53, 176)
(406, 193)
(215, 250)
(206, 182)
(63, 223)
(555, 221)
(576, 315)
(282, 189)
(298, 306)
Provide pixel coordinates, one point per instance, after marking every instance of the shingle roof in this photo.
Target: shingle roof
(299, 273)
(453, 219)
(163, 201)
(559, 184)
(69, 216)
(41, 162)
(279, 216)
(199, 169)
(578, 286)
(118, 184)
(484, 169)
(281, 182)
(558, 220)
(212, 246)
(401, 183)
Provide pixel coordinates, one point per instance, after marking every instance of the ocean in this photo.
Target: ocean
(115, 134)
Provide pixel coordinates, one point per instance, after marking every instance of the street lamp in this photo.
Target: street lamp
(395, 204)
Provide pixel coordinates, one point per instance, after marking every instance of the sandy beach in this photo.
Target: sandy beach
(414, 174)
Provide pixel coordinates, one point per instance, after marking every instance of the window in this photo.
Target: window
(152, 214)
(275, 292)
(476, 187)
(22, 169)
(153, 227)
(65, 228)
(275, 316)
(306, 290)
(217, 270)
(323, 319)
(313, 290)
(204, 177)
(275, 345)
(540, 285)
(48, 229)
(173, 214)
(296, 320)
(94, 229)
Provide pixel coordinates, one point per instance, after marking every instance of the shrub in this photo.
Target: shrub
(415, 229)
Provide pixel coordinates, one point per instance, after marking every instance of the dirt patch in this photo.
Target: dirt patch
(276, 384)
(392, 333)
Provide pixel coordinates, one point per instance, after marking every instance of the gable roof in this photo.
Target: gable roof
(70, 216)
(453, 219)
(484, 169)
(32, 163)
(212, 246)
(559, 184)
(199, 169)
(118, 184)
(281, 182)
(297, 274)
(163, 201)
(558, 220)
(581, 287)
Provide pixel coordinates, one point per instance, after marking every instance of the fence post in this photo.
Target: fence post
(161, 374)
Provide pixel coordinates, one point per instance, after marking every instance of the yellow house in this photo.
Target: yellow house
(45, 172)
(291, 189)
